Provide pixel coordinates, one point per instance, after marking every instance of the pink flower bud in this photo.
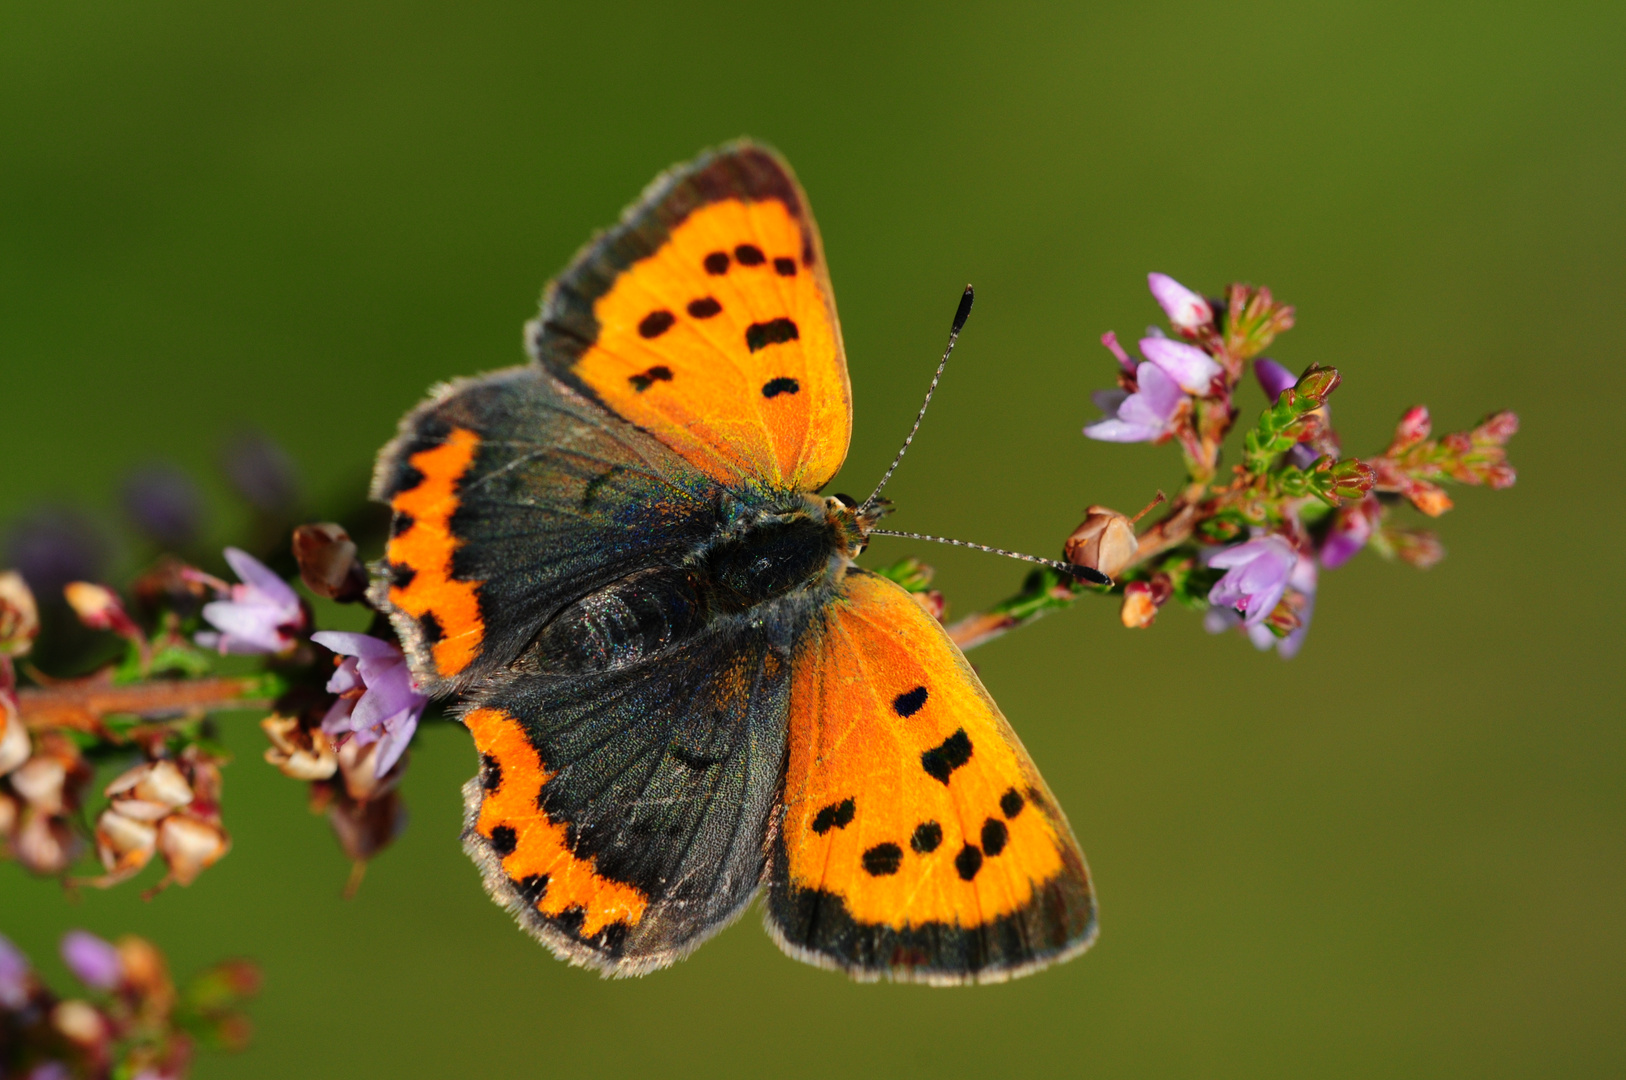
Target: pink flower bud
(100, 608)
(79, 1021)
(1104, 541)
(191, 845)
(301, 753)
(14, 743)
(327, 562)
(45, 844)
(1187, 311)
(149, 792)
(19, 616)
(1319, 382)
(1497, 428)
(1138, 610)
(1431, 499)
(93, 961)
(124, 845)
(1413, 428)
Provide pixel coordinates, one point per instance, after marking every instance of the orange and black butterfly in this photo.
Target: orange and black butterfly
(681, 685)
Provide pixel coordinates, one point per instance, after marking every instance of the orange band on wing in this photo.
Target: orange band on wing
(426, 549)
(538, 857)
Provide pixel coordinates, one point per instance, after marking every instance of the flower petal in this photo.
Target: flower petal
(1186, 364)
(1118, 431)
(1274, 379)
(360, 645)
(1186, 310)
(1161, 394)
(255, 574)
(93, 961)
(394, 744)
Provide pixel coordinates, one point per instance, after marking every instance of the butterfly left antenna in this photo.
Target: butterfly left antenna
(961, 314)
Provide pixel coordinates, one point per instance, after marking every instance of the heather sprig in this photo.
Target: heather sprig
(1247, 546)
(110, 759)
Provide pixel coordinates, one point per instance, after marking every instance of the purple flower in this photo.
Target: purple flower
(1273, 378)
(13, 975)
(1143, 416)
(387, 709)
(164, 503)
(50, 1070)
(54, 545)
(261, 472)
(1302, 580)
(1256, 576)
(1351, 529)
(262, 616)
(93, 961)
(1187, 365)
(1187, 311)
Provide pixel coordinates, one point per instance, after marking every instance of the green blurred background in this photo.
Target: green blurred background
(1402, 853)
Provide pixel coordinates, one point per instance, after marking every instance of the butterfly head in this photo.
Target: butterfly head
(853, 520)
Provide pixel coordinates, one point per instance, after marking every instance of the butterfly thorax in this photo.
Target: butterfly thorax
(763, 554)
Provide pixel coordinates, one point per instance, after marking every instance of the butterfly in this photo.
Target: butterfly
(682, 687)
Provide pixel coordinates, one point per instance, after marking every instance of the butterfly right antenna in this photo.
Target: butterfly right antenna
(961, 313)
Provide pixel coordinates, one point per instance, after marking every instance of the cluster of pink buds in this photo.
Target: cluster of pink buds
(168, 807)
(133, 1024)
(1245, 546)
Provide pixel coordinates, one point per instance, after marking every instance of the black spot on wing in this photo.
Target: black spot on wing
(883, 859)
(749, 255)
(775, 387)
(431, 628)
(490, 772)
(1010, 803)
(785, 267)
(716, 263)
(656, 323)
(994, 836)
(775, 332)
(705, 307)
(532, 888)
(503, 840)
(402, 522)
(909, 703)
(643, 381)
(968, 862)
(404, 477)
(401, 575)
(928, 835)
(835, 816)
(944, 758)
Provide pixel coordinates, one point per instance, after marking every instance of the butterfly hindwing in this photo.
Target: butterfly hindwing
(918, 841)
(620, 813)
(706, 318)
(513, 495)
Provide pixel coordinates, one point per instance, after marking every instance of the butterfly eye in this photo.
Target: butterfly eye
(845, 500)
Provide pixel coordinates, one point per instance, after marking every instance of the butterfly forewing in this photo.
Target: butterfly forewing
(706, 318)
